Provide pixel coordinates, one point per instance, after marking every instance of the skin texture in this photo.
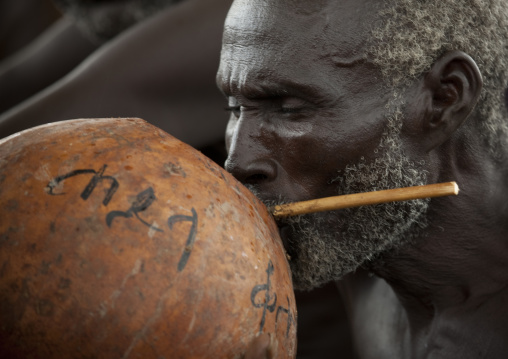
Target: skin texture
(305, 106)
(313, 109)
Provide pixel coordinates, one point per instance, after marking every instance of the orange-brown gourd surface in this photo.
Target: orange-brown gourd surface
(119, 241)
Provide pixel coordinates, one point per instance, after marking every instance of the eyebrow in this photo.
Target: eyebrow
(283, 87)
(264, 89)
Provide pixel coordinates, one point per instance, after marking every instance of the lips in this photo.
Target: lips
(270, 201)
(284, 231)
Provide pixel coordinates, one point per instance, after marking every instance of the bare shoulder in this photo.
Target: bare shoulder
(378, 321)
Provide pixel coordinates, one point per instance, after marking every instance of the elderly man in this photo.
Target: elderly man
(333, 97)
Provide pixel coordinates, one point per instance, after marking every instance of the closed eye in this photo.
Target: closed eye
(290, 109)
(233, 106)
(292, 105)
(284, 105)
(235, 110)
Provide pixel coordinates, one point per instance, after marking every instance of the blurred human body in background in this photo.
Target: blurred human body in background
(15, 34)
(139, 73)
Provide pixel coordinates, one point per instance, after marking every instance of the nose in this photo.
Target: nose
(249, 157)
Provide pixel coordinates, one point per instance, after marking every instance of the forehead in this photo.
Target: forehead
(268, 33)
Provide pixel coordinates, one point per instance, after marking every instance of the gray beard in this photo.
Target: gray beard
(326, 246)
(101, 26)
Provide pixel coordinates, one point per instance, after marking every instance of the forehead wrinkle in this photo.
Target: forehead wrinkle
(240, 60)
(277, 22)
(235, 37)
(241, 74)
(268, 73)
(290, 25)
(259, 43)
(254, 82)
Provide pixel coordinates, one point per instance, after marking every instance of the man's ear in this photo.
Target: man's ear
(454, 85)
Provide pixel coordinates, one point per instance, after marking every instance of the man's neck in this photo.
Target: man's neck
(461, 261)
(444, 294)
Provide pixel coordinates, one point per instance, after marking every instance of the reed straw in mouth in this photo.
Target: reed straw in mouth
(363, 199)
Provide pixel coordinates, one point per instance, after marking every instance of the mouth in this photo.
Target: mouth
(282, 224)
(286, 235)
(284, 231)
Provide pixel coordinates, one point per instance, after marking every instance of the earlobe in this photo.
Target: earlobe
(454, 83)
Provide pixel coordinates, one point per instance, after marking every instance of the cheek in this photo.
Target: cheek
(358, 137)
(310, 157)
(360, 143)
(293, 130)
(230, 130)
(316, 156)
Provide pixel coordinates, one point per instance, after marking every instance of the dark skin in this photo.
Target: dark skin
(304, 106)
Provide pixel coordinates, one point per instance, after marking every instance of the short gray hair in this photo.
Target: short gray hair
(413, 34)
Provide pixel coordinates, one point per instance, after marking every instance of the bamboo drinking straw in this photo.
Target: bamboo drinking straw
(367, 198)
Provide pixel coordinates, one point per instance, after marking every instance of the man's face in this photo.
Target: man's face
(310, 118)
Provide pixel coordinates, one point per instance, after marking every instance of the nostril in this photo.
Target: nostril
(251, 171)
(256, 178)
